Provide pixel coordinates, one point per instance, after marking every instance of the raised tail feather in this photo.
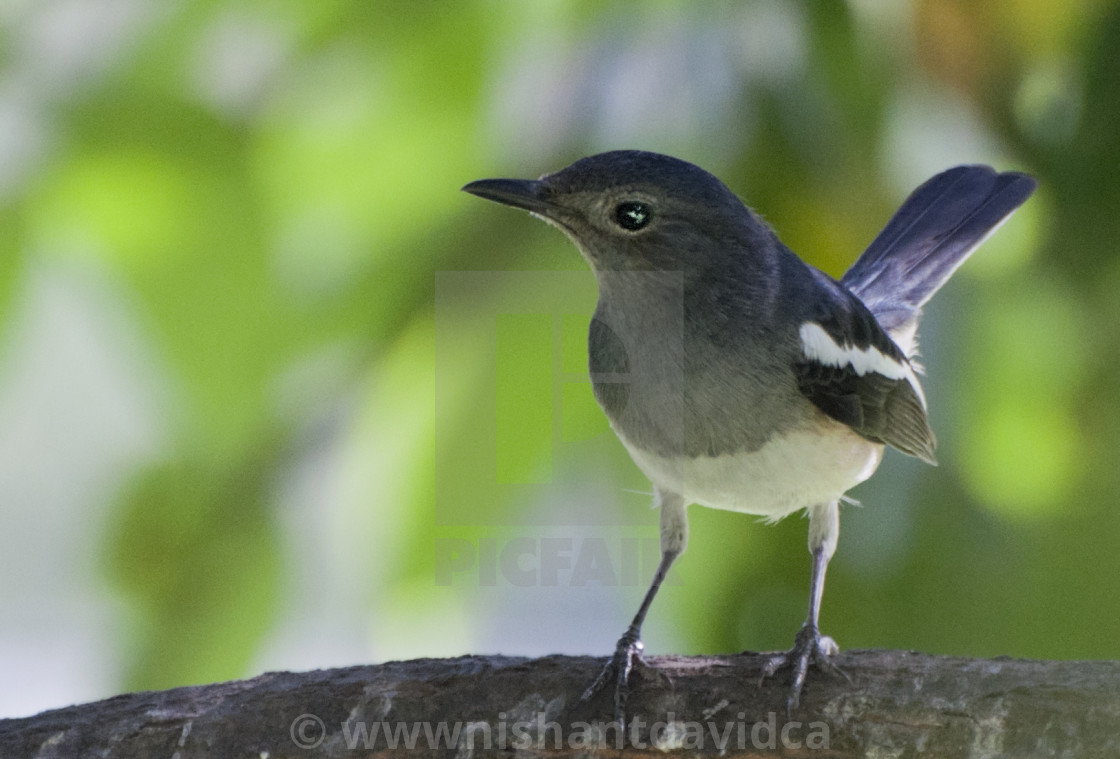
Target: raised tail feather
(934, 231)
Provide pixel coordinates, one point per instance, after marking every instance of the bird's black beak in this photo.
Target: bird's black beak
(528, 194)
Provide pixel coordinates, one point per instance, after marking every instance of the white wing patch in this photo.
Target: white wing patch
(817, 345)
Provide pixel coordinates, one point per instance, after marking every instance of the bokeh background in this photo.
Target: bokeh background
(274, 394)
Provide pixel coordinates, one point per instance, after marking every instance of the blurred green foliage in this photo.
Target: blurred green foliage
(272, 191)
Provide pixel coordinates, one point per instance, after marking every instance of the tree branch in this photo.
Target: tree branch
(898, 703)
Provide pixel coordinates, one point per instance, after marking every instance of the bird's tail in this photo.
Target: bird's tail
(934, 231)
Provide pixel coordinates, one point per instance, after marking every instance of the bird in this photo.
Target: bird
(740, 377)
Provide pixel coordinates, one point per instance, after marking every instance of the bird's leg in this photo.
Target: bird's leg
(628, 651)
(810, 647)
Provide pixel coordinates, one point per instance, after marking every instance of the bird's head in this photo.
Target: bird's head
(633, 210)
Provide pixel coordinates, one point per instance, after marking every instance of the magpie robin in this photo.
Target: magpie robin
(738, 376)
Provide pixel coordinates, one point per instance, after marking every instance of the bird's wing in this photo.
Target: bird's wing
(853, 372)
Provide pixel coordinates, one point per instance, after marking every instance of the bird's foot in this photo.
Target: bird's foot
(809, 648)
(627, 653)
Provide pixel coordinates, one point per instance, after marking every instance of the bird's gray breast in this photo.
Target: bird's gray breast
(676, 382)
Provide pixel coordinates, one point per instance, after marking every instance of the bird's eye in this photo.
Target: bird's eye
(632, 215)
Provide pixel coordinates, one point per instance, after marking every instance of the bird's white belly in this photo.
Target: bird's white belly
(792, 471)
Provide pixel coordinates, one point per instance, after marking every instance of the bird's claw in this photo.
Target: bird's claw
(627, 653)
(809, 648)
